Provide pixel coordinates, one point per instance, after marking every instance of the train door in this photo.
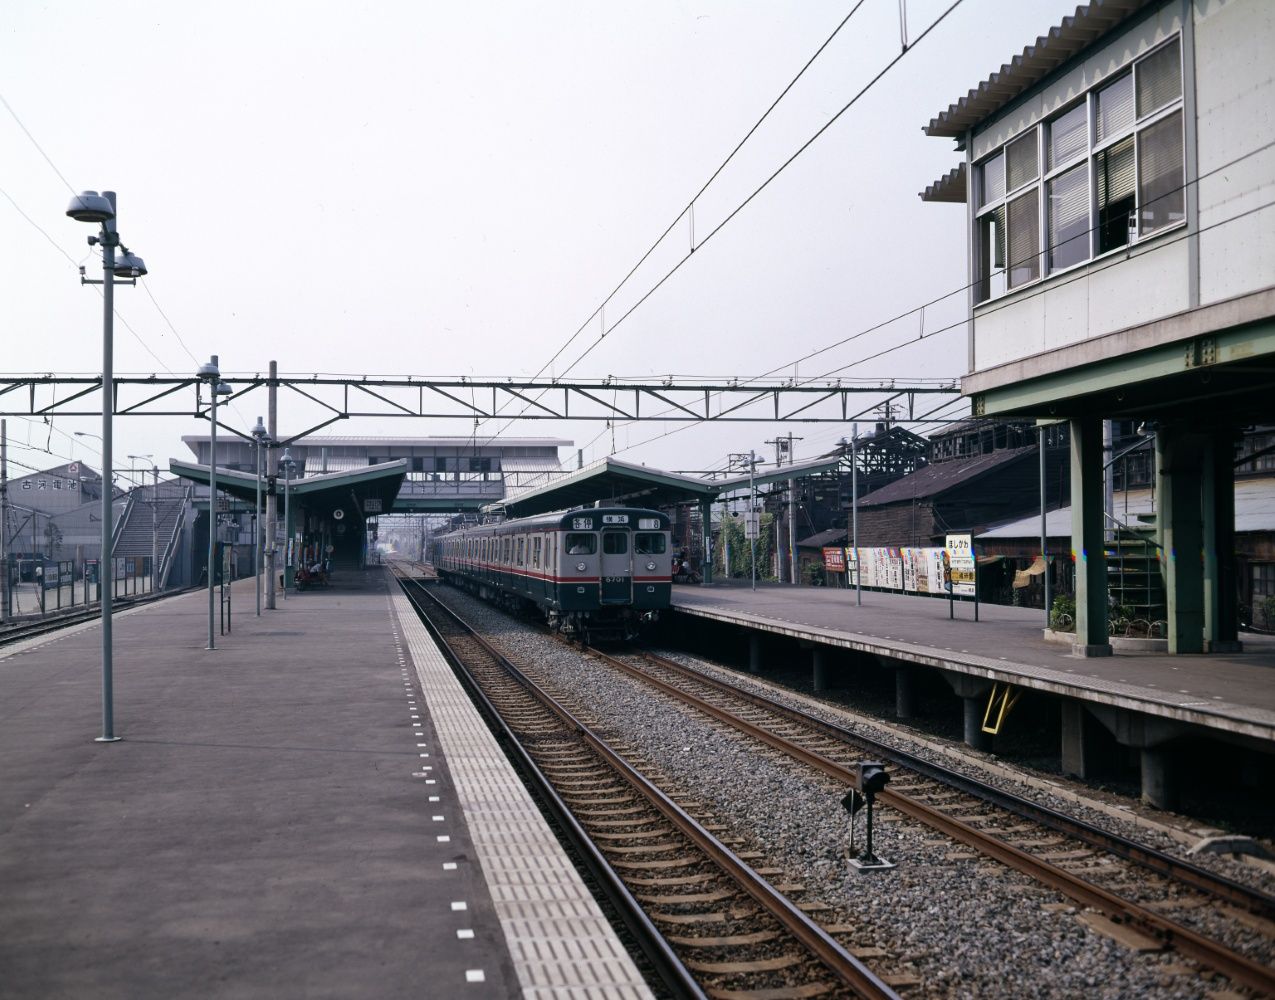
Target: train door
(617, 567)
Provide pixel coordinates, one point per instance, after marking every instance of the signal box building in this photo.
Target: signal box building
(1117, 178)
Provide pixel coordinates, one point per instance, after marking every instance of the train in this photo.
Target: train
(599, 573)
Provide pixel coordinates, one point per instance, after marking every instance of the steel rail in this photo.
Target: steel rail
(1222, 888)
(657, 950)
(1237, 967)
(849, 969)
(34, 628)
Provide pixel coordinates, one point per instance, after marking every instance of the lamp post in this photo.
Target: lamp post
(259, 434)
(286, 463)
(99, 209)
(132, 469)
(212, 374)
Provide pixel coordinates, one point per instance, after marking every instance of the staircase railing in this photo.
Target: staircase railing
(166, 564)
(1119, 529)
(118, 530)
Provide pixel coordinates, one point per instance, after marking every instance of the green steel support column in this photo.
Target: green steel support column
(1221, 614)
(1179, 467)
(1087, 538)
(706, 519)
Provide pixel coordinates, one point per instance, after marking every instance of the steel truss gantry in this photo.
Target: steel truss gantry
(344, 396)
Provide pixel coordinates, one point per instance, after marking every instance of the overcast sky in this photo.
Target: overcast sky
(443, 189)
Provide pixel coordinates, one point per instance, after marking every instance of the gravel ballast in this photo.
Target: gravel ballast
(964, 925)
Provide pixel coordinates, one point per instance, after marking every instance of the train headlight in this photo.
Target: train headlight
(651, 564)
(580, 566)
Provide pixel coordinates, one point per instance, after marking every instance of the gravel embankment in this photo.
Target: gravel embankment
(965, 926)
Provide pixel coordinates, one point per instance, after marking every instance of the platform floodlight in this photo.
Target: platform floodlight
(209, 370)
(259, 430)
(129, 265)
(100, 210)
(89, 206)
(222, 389)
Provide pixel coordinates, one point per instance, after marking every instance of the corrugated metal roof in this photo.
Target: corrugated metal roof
(817, 541)
(933, 480)
(950, 187)
(1064, 41)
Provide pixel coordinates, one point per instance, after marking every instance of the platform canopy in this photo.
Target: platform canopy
(328, 491)
(614, 481)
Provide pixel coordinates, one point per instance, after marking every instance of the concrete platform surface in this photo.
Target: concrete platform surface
(263, 829)
(1234, 692)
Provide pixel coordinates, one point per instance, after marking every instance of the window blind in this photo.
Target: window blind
(1160, 174)
(1022, 161)
(1067, 136)
(1069, 218)
(1024, 239)
(1159, 79)
(1115, 108)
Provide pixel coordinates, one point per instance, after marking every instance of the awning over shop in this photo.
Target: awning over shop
(1023, 578)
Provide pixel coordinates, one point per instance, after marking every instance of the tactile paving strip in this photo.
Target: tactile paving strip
(561, 944)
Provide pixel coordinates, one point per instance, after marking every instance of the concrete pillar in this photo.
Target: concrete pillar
(1150, 735)
(973, 713)
(754, 653)
(904, 700)
(1159, 778)
(1088, 538)
(1221, 613)
(973, 693)
(819, 658)
(1076, 741)
(1179, 469)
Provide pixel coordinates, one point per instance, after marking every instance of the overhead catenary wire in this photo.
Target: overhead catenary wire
(689, 211)
(990, 309)
(39, 148)
(58, 247)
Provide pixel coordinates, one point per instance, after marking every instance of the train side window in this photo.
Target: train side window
(581, 543)
(649, 543)
(520, 551)
(615, 543)
(535, 552)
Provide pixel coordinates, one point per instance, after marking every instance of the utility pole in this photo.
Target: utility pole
(854, 514)
(272, 499)
(784, 450)
(752, 511)
(154, 528)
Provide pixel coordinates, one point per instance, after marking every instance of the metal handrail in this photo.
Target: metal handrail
(1120, 526)
(117, 530)
(166, 563)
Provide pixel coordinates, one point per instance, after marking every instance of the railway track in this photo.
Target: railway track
(732, 932)
(1129, 884)
(42, 626)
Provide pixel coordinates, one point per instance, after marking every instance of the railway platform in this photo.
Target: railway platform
(312, 809)
(1144, 700)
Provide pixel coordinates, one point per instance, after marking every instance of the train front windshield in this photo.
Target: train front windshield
(648, 543)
